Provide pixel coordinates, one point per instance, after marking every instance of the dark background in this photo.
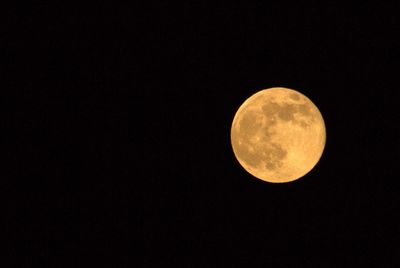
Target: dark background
(123, 153)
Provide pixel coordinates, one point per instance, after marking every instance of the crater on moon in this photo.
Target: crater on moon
(278, 135)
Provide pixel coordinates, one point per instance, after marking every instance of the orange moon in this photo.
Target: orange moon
(278, 135)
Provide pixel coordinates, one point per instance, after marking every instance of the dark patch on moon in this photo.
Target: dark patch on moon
(248, 125)
(264, 152)
(287, 111)
(270, 166)
(251, 158)
(305, 110)
(294, 96)
(270, 108)
(274, 154)
(303, 124)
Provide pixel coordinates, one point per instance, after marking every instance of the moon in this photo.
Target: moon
(278, 135)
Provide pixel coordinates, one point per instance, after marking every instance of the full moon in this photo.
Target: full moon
(278, 135)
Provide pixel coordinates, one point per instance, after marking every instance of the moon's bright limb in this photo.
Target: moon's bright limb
(278, 135)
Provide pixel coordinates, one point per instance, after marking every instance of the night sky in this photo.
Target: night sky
(123, 153)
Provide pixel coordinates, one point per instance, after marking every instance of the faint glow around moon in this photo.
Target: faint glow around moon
(278, 135)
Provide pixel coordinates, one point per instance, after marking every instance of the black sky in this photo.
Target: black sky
(123, 148)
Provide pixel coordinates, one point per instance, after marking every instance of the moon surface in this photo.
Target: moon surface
(278, 135)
